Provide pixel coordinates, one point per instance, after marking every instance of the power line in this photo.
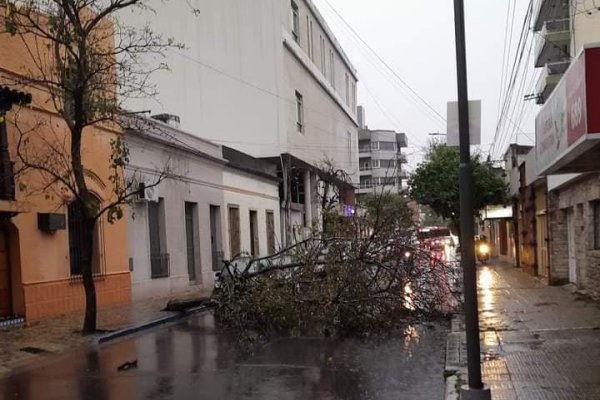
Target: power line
(423, 101)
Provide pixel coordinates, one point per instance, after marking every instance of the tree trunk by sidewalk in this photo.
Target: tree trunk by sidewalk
(87, 254)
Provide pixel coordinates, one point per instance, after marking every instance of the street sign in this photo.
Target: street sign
(474, 122)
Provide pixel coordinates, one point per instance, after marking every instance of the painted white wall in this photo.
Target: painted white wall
(194, 180)
(585, 27)
(256, 194)
(236, 81)
(198, 174)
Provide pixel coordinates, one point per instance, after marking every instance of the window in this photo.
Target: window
(353, 96)
(387, 146)
(596, 206)
(191, 235)
(323, 56)
(74, 220)
(364, 146)
(234, 231)
(349, 140)
(375, 164)
(347, 90)
(387, 164)
(332, 68)
(295, 22)
(309, 37)
(254, 245)
(159, 258)
(374, 145)
(299, 112)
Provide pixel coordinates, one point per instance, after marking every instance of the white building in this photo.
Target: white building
(215, 203)
(380, 158)
(266, 77)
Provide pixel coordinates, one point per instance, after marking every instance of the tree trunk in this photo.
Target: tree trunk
(87, 250)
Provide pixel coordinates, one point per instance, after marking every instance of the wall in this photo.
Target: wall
(231, 67)
(193, 179)
(251, 193)
(585, 28)
(237, 64)
(576, 197)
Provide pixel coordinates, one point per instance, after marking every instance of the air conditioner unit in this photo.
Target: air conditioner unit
(146, 193)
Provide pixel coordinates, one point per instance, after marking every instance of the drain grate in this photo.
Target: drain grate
(33, 350)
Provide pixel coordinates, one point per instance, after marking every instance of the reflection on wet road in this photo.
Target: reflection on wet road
(193, 360)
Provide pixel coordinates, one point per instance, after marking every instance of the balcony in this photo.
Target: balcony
(364, 150)
(548, 10)
(402, 158)
(553, 42)
(550, 77)
(365, 171)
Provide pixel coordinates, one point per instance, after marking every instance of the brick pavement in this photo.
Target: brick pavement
(53, 335)
(537, 341)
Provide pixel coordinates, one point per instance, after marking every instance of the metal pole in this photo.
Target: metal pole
(467, 231)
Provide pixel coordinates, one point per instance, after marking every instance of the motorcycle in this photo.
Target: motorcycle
(482, 252)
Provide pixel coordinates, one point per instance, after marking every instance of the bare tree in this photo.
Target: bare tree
(82, 64)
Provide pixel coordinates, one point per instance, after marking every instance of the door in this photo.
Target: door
(190, 240)
(234, 232)
(215, 237)
(5, 295)
(571, 244)
(254, 234)
(270, 220)
(542, 245)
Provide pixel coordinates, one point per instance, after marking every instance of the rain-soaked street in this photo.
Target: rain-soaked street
(193, 360)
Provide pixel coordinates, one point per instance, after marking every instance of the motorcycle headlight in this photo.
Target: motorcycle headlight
(407, 254)
(484, 248)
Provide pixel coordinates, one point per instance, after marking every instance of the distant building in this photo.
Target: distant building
(380, 159)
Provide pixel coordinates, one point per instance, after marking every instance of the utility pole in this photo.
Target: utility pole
(475, 389)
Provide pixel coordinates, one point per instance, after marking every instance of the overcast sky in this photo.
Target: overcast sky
(416, 39)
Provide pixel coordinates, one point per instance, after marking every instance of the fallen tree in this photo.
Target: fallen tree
(364, 277)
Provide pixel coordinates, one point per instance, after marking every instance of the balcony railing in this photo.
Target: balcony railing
(553, 41)
(549, 78)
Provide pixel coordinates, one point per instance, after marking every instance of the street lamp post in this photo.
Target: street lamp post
(475, 388)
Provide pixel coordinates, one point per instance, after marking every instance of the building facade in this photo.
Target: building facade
(40, 269)
(380, 158)
(202, 203)
(268, 78)
(560, 186)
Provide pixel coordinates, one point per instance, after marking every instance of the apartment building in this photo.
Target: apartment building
(380, 158)
(561, 177)
(214, 203)
(268, 78)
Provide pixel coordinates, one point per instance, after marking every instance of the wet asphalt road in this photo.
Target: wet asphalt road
(193, 360)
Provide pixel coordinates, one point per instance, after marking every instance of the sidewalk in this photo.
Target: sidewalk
(35, 340)
(537, 341)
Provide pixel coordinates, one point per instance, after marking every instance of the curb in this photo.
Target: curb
(173, 316)
(452, 369)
